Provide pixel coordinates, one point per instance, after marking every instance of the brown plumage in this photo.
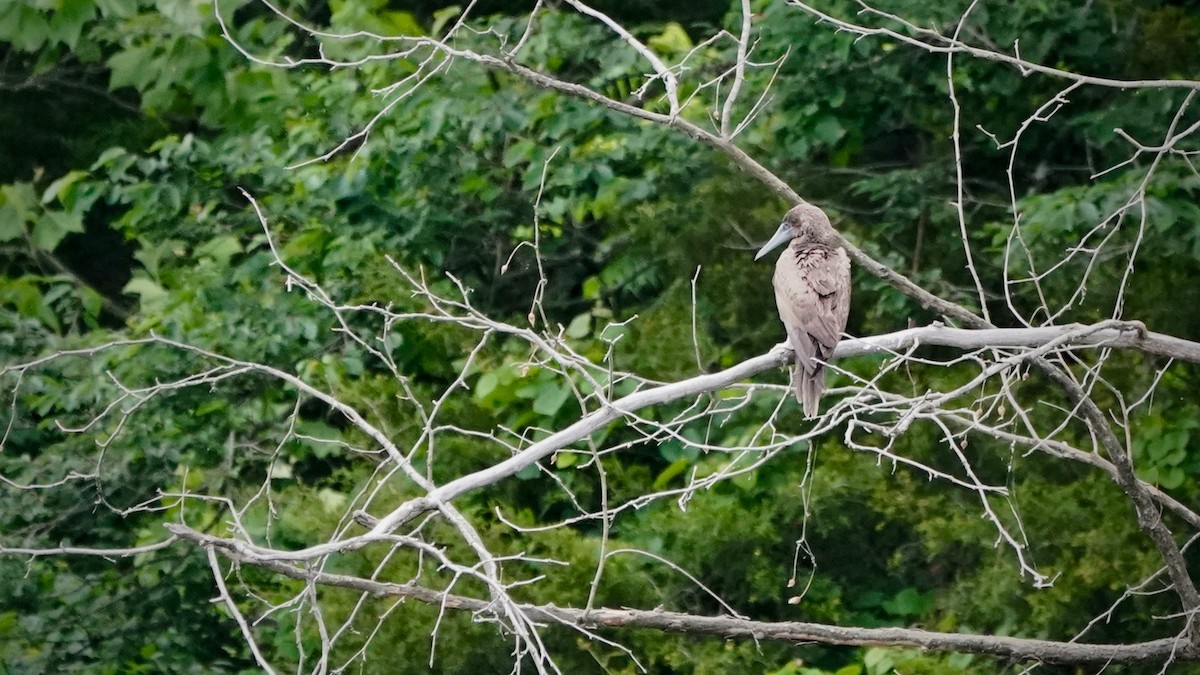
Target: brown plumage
(812, 292)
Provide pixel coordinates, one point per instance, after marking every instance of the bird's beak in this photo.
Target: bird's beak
(782, 235)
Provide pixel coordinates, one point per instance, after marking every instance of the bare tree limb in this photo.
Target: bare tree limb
(1122, 335)
(940, 44)
(1046, 651)
(1148, 515)
(871, 413)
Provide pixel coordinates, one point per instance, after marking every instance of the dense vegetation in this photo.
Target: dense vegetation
(131, 125)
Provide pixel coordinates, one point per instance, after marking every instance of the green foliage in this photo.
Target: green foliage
(626, 215)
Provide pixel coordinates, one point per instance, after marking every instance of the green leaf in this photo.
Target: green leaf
(672, 40)
(580, 326)
(131, 68)
(148, 292)
(27, 299)
(50, 229)
(117, 8)
(528, 473)
(66, 24)
(22, 198)
(354, 366)
(220, 249)
(908, 602)
(878, 660)
(960, 661)
(518, 153)
(10, 20)
(828, 130)
(331, 500)
(151, 254)
(320, 438)
(1088, 212)
(400, 23)
(591, 288)
(551, 397)
(61, 188)
(11, 223)
(669, 474)
(1171, 478)
(486, 385)
(211, 406)
(25, 28)
(109, 155)
(443, 17)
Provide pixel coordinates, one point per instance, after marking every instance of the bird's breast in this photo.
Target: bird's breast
(810, 256)
(812, 268)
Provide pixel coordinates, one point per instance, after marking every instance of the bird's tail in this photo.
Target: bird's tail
(808, 386)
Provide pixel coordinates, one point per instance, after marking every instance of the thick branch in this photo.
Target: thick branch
(1094, 418)
(1121, 335)
(1023, 649)
(1106, 333)
(1109, 334)
(1142, 495)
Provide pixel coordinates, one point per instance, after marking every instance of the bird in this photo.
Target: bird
(812, 292)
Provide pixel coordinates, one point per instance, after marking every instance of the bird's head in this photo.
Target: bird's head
(804, 222)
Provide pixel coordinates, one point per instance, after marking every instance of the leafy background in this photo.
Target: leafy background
(132, 124)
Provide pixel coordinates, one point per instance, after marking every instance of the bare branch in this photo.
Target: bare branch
(939, 44)
(1046, 651)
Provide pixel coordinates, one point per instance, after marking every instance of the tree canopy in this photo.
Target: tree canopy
(428, 336)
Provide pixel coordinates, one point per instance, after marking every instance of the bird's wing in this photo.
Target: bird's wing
(839, 298)
(812, 289)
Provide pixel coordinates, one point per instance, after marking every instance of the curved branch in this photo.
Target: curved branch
(673, 120)
(744, 161)
(1023, 649)
(1106, 333)
(660, 69)
(1149, 517)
